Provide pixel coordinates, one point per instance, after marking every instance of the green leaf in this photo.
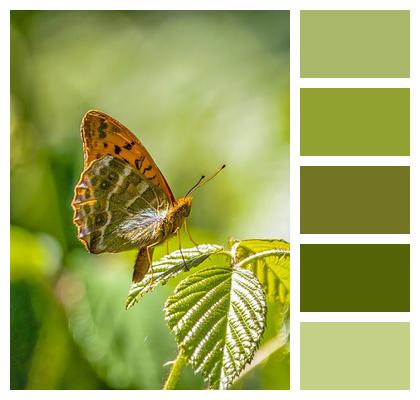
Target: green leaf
(168, 267)
(218, 317)
(125, 349)
(259, 245)
(273, 272)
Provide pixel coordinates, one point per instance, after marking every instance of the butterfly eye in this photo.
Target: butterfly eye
(186, 210)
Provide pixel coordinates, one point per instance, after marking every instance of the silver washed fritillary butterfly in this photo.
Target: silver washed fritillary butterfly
(122, 201)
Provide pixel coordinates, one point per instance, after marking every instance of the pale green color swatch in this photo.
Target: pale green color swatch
(355, 355)
(355, 44)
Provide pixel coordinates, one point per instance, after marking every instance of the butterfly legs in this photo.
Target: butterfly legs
(178, 233)
(188, 233)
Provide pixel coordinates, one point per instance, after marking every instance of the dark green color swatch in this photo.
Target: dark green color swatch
(355, 277)
(355, 355)
(355, 200)
(355, 122)
(355, 44)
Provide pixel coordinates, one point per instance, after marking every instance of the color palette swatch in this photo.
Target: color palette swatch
(355, 199)
(355, 122)
(356, 355)
(355, 44)
(342, 125)
(355, 277)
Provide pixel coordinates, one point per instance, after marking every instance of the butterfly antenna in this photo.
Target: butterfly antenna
(201, 181)
(195, 186)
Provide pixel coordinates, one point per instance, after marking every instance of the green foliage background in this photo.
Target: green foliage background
(199, 89)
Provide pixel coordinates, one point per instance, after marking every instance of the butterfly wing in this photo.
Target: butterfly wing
(103, 135)
(116, 208)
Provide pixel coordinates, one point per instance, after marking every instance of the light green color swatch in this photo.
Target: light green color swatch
(355, 44)
(355, 122)
(355, 355)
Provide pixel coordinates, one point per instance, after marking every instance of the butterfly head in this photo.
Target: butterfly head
(177, 214)
(184, 205)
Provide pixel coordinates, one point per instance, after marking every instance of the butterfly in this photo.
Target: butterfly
(122, 200)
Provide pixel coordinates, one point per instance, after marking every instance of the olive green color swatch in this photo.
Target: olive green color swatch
(355, 44)
(355, 122)
(355, 278)
(355, 355)
(355, 199)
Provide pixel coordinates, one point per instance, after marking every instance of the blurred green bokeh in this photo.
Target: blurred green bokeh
(199, 89)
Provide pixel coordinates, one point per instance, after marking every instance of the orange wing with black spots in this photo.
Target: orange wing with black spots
(103, 135)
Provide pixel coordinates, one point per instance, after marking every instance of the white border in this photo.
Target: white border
(294, 199)
(354, 317)
(5, 203)
(414, 200)
(354, 161)
(294, 5)
(354, 82)
(355, 239)
(295, 83)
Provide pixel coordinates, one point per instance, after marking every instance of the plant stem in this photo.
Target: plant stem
(175, 371)
(262, 254)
